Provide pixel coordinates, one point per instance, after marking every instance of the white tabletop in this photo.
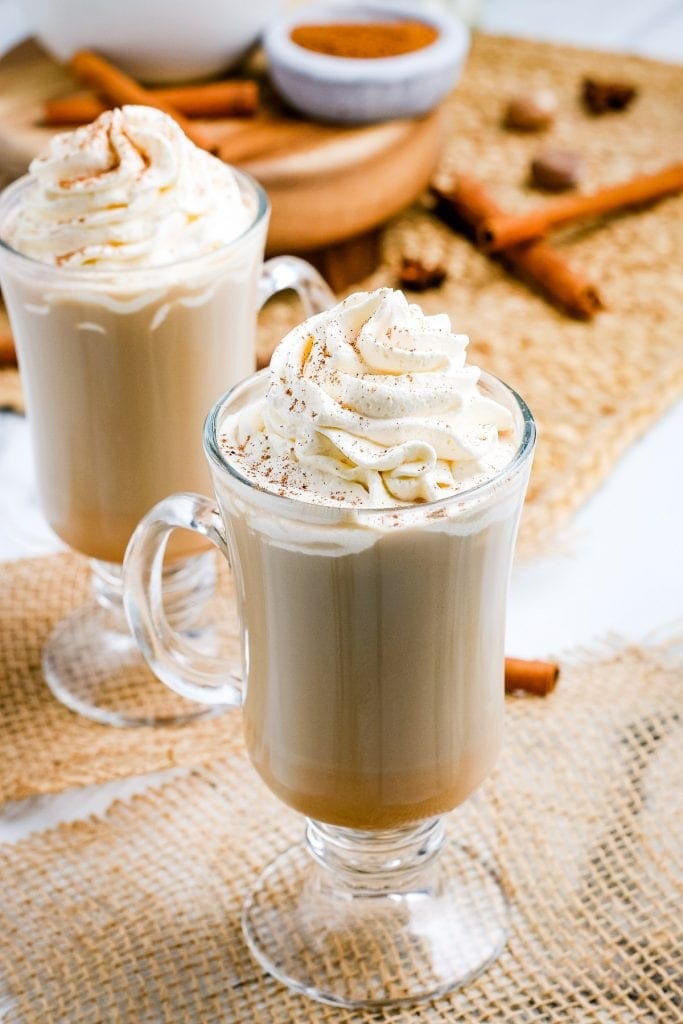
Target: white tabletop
(618, 572)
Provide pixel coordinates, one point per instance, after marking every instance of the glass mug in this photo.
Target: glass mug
(372, 688)
(115, 363)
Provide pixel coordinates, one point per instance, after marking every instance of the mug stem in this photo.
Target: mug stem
(188, 584)
(358, 863)
(92, 664)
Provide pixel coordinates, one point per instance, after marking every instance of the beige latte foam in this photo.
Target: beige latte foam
(374, 610)
(130, 313)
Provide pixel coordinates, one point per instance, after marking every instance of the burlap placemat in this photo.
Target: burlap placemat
(135, 917)
(45, 747)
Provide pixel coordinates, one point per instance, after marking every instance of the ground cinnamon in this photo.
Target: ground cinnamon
(465, 203)
(365, 39)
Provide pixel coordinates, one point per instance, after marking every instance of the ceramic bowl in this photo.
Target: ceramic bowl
(362, 90)
(155, 40)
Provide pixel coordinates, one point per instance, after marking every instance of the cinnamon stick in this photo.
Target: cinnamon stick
(500, 231)
(8, 354)
(229, 98)
(119, 88)
(264, 137)
(466, 204)
(537, 677)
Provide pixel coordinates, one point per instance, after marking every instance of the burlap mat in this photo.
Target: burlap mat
(135, 917)
(45, 747)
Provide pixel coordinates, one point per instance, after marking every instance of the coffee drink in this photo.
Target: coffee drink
(130, 271)
(374, 602)
(369, 486)
(375, 692)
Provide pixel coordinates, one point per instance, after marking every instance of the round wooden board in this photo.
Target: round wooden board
(326, 184)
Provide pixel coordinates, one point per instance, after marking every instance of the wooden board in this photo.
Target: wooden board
(325, 183)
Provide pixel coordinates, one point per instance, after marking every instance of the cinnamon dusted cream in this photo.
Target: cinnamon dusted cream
(371, 404)
(128, 190)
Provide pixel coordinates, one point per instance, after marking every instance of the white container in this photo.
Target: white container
(154, 40)
(362, 90)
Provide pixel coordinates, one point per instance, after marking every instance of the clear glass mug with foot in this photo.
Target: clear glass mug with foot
(116, 365)
(372, 688)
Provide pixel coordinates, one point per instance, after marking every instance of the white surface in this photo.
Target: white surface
(621, 568)
(653, 28)
(621, 565)
(13, 24)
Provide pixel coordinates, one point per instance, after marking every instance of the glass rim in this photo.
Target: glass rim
(306, 509)
(128, 273)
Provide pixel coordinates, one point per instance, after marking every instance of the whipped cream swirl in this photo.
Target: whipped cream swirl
(128, 190)
(371, 404)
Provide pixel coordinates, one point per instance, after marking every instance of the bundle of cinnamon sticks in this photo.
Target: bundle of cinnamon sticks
(113, 87)
(242, 131)
(235, 97)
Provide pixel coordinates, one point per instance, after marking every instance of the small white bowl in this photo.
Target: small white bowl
(156, 40)
(362, 90)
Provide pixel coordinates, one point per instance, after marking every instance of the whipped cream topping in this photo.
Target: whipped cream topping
(371, 404)
(128, 190)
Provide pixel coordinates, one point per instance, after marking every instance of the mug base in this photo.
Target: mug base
(93, 666)
(368, 941)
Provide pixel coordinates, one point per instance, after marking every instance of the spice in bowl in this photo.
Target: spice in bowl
(361, 62)
(368, 40)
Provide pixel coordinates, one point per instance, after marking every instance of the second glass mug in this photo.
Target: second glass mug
(115, 362)
(372, 687)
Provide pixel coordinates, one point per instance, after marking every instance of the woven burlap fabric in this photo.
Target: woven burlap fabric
(45, 747)
(135, 917)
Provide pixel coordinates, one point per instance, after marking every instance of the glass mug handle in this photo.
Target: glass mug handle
(183, 668)
(192, 674)
(284, 272)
